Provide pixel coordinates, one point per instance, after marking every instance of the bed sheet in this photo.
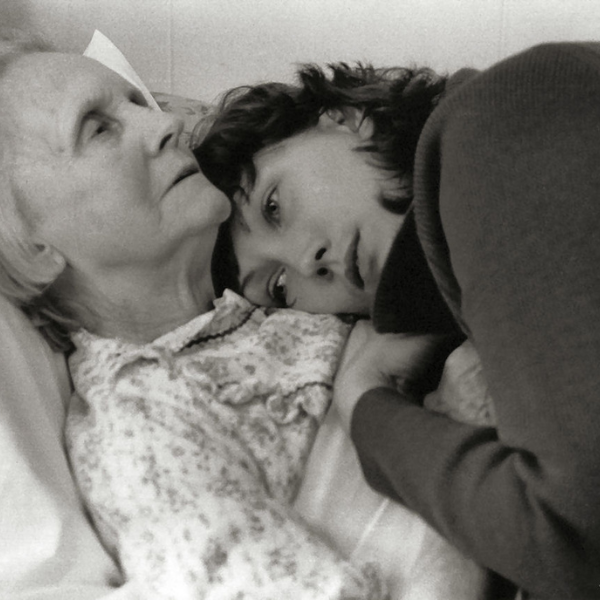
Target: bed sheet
(418, 564)
(47, 548)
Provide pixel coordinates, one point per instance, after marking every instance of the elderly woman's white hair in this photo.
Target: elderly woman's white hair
(24, 279)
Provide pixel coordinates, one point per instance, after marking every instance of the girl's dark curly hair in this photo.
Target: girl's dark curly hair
(397, 100)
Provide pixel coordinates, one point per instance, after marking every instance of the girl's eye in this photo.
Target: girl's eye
(278, 291)
(271, 210)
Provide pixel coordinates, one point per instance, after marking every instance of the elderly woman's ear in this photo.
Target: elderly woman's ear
(49, 260)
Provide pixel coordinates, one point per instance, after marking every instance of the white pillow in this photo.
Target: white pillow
(104, 51)
(48, 550)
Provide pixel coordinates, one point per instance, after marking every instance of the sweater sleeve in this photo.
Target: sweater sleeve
(513, 157)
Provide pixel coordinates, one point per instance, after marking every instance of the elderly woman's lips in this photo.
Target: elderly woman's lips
(188, 170)
(351, 260)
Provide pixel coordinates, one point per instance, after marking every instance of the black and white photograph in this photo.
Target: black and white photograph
(299, 300)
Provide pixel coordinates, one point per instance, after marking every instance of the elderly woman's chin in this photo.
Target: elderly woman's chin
(205, 205)
(215, 202)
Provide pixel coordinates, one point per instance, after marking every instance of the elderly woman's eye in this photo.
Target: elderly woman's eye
(278, 290)
(136, 97)
(96, 125)
(101, 128)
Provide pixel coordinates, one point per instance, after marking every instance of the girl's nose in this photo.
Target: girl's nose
(314, 260)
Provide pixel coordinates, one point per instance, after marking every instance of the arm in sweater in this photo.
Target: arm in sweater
(514, 158)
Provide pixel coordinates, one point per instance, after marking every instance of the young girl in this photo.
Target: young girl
(437, 205)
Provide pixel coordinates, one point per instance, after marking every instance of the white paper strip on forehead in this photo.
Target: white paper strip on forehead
(104, 51)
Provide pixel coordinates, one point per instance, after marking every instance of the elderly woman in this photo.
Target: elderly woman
(187, 448)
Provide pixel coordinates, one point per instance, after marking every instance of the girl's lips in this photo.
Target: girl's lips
(352, 271)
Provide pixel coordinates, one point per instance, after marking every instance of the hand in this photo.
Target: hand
(373, 360)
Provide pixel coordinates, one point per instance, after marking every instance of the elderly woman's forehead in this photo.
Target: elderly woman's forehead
(47, 70)
(32, 90)
(41, 81)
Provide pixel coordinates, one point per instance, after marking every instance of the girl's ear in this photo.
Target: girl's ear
(348, 118)
(50, 260)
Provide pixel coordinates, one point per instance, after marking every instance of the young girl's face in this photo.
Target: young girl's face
(312, 233)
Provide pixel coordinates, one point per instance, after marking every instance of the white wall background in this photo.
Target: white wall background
(199, 48)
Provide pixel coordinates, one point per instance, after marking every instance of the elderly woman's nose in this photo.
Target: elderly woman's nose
(160, 129)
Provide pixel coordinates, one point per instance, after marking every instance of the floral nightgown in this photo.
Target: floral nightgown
(189, 451)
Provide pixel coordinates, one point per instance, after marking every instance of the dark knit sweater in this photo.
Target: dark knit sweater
(507, 190)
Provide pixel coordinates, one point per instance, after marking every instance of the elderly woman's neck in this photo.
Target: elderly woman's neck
(141, 305)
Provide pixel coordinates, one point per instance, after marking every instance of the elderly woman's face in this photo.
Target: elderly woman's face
(97, 174)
